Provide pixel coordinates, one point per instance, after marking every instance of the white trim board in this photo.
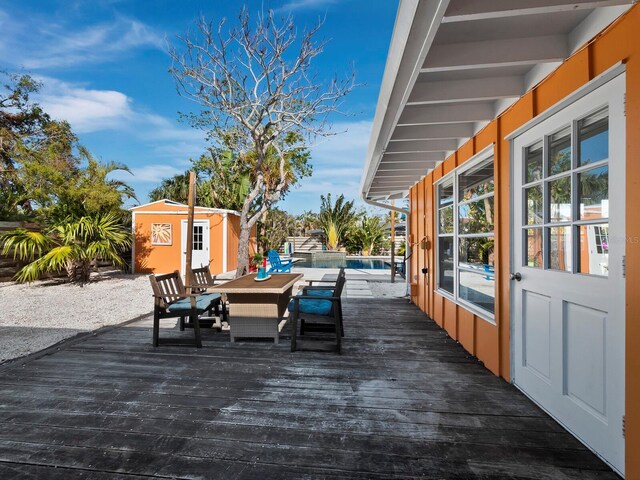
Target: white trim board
(196, 212)
(589, 87)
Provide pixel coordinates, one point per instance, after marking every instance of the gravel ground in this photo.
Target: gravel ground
(388, 289)
(36, 316)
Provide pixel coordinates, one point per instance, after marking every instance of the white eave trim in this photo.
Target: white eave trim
(414, 17)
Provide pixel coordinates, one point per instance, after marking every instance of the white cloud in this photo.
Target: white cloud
(87, 110)
(148, 173)
(348, 145)
(90, 110)
(62, 45)
(336, 173)
(306, 4)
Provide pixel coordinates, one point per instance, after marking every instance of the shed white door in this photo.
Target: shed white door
(568, 310)
(200, 256)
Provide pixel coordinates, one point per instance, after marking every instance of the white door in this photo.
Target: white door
(568, 280)
(200, 256)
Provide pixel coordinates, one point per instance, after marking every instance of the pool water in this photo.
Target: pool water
(357, 263)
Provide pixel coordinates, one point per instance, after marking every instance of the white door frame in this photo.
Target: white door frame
(613, 91)
(183, 242)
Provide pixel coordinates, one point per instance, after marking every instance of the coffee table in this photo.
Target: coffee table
(256, 307)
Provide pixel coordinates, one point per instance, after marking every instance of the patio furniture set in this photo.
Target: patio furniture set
(252, 306)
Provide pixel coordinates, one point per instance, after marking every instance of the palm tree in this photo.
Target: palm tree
(335, 220)
(374, 229)
(175, 188)
(305, 222)
(73, 245)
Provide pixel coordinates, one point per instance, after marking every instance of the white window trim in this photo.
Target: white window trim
(480, 157)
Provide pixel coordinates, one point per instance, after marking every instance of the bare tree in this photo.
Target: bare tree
(256, 86)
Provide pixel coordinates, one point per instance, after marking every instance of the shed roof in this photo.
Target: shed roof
(179, 207)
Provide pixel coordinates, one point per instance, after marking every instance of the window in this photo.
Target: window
(198, 237)
(566, 198)
(465, 250)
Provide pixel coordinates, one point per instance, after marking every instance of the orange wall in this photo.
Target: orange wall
(167, 258)
(491, 343)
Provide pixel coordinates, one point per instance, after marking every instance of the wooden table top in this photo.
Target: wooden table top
(278, 283)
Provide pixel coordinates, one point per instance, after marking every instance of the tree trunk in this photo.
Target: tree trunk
(243, 247)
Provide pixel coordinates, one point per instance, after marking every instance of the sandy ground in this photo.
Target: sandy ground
(35, 316)
(38, 315)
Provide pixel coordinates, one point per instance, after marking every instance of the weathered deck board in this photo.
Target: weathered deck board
(403, 401)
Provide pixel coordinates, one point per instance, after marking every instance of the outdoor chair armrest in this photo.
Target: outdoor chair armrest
(179, 295)
(311, 282)
(295, 298)
(312, 287)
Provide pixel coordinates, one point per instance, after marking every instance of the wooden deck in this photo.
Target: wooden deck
(403, 401)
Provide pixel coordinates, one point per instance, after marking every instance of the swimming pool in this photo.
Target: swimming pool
(357, 263)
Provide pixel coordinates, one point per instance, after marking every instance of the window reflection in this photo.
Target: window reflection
(476, 252)
(560, 248)
(534, 205)
(476, 217)
(446, 219)
(594, 249)
(593, 138)
(445, 263)
(533, 162)
(478, 288)
(594, 193)
(534, 247)
(560, 152)
(475, 182)
(560, 198)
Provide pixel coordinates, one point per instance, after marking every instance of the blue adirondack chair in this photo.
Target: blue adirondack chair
(277, 265)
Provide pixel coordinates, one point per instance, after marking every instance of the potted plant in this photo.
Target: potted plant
(255, 262)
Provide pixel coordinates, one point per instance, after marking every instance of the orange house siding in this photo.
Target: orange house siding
(159, 259)
(491, 343)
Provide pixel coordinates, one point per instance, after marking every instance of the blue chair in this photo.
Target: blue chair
(318, 309)
(277, 265)
(489, 269)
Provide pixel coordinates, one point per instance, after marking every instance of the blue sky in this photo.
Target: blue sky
(104, 68)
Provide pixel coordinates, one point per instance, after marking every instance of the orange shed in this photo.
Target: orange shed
(160, 235)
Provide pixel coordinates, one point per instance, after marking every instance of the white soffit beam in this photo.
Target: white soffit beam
(406, 167)
(496, 53)
(469, 10)
(426, 132)
(439, 145)
(398, 175)
(455, 113)
(476, 89)
(413, 157)
(392, 185)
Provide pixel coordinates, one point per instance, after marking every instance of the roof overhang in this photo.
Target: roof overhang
(455, 65)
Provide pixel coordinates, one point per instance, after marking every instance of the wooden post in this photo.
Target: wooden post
(393, 243)
(189, 252)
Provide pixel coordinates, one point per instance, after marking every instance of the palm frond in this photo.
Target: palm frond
(25, 244)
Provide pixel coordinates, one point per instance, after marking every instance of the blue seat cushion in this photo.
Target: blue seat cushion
(314, 307)
(203, 301)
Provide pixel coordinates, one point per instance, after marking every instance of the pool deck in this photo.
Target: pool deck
(357, 285)
(404, 401)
